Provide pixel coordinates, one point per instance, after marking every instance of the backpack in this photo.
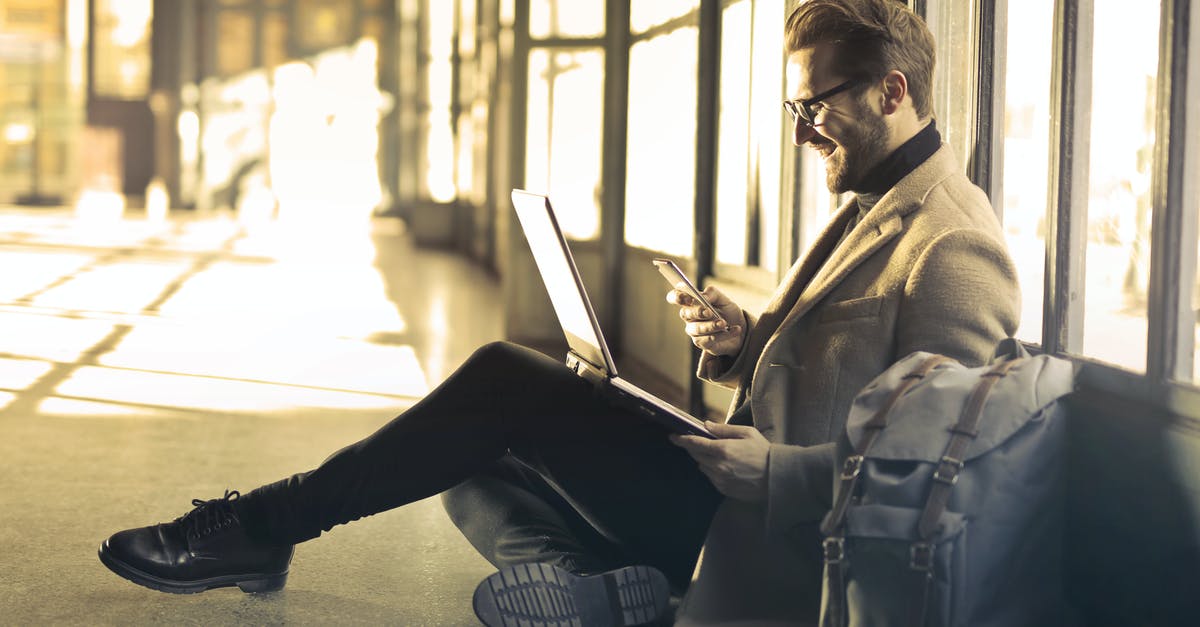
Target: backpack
(948, 510)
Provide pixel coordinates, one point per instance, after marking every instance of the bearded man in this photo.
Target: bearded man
(914, 261)
(592, 514)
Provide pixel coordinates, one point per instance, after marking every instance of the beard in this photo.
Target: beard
(848, 161)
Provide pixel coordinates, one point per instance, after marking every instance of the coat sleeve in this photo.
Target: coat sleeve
(727, 371)
(799, 486)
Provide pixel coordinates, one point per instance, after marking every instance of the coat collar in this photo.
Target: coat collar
(824, 267)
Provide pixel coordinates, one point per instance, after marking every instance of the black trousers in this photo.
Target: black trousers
(531, 463)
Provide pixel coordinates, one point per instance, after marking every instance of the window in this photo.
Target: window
(751, 134)
(1123, 110)
(122, 49)
(563, 135)
(566, 18)
(955, 30)
(1026, 168)
(439, 139)
(661, 143)
(646, 14)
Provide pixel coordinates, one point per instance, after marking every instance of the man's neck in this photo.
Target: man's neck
(904, 159)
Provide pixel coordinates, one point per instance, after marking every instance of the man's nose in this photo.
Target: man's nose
(802, 132)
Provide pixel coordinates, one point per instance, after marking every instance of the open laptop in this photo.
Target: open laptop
(588, 355)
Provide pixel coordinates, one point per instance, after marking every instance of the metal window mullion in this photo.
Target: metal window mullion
(520, 93)
(1066, 216)
(918, 7)
(708, 89)
(992, 20)
(613, 158)
(1173, 221)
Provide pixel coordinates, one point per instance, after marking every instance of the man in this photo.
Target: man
(915, 261)
(565, 493)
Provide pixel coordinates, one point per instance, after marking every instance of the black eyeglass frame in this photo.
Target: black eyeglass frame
(801, 109)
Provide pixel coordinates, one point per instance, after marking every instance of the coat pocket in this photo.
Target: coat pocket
(868, 306)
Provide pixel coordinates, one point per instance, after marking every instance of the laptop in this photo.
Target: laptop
(588, 355)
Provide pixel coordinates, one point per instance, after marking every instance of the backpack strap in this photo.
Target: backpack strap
(853, 465)
(944, 477)
(833, 612)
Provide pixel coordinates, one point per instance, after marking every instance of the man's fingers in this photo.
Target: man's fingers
(722, 430)
(681, 298)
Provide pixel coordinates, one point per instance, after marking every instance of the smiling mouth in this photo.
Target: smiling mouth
(825, 150)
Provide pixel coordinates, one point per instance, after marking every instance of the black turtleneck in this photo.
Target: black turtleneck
(897, 165)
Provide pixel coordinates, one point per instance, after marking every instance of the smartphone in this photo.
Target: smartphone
(675, 276)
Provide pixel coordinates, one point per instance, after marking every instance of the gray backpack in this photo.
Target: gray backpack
(949, 506)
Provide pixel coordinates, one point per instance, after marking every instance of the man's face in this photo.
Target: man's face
(850, 135)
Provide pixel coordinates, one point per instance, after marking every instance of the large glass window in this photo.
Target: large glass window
(563, 135)
(954, 27)
(749, 149)
(42, 99)
(121, 66)
(646, 14)
(661, 144)
(1123, 107)
(1026, 172)
(733, 138)
(566, 18)
(439, 139)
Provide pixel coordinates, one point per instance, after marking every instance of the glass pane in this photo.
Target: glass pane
(817, 205)
(122, 49)
(563, 139)
(1125, 67)
(733, 139)
(566, 18)
(646, 14)
(1026, 166)
(954, 28)
(766, 123)
(42, 105)
(439, 141)
(660, 155)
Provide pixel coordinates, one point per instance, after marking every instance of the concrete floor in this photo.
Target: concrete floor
(144, 364)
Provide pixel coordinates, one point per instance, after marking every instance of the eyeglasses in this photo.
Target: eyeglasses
(802, 109)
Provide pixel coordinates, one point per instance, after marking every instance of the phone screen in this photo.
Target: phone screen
(675, 276)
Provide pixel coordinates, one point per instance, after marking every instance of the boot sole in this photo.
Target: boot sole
(250, 583)
(537, 595)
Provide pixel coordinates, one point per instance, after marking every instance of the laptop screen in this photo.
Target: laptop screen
(561, 278)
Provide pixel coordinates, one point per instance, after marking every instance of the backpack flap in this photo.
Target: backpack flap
(934, 406)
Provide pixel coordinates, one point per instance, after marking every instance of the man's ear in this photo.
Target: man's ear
(895, 88)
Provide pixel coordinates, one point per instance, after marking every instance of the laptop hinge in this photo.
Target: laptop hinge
(581, 367)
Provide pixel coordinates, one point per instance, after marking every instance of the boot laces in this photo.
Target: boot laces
(209, 516)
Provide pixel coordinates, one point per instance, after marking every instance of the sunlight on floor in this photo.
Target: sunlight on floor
(125, 317)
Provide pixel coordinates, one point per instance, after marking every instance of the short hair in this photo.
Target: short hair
(872, 38)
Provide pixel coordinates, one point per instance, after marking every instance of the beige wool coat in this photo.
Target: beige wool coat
(926, 269)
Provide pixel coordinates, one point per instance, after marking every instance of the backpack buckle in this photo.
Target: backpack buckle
(851, 467)
(951, 467)
(920, 556)
(835, 549)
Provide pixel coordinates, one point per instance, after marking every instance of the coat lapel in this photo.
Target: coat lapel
(882, 224)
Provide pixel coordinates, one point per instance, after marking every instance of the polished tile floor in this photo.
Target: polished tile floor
(146, 363)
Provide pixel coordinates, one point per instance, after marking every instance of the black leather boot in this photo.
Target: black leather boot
(542, 595)
(205, 548)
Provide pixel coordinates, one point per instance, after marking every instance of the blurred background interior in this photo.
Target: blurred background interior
(236, 235)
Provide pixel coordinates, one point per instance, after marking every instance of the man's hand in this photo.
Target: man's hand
(735, 462)
(707, 332)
